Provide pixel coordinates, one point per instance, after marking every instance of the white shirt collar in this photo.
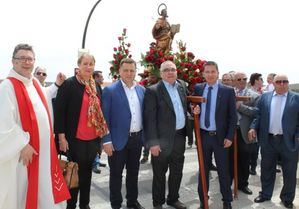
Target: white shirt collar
(14, 74)
(125, 85)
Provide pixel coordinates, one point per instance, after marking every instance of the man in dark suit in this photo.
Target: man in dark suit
(218, 120)
(165, 111)
(277, 124)
(246, 111)
(122, 108)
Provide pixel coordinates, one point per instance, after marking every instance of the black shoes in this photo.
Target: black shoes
(246, 190)
(136, 205)
(144, 160)
(252, 172)
(213, 167)
(96, 169)
(177, 205)
(227, 205)
(287, 204)
(260, 199)
(102, 164)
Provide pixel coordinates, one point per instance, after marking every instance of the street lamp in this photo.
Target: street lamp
(87, 22)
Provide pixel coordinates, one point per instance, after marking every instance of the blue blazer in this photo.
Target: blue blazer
(226, 114)
(117, 113)
(290, 120)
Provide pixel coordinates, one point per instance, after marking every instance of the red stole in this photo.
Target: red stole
(29, 124)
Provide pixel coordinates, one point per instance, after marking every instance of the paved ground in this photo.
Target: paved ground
(188, 191)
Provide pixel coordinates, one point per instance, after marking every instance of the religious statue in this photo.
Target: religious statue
(163, 32)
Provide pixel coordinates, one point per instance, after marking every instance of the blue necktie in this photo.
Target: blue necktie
(208, 108)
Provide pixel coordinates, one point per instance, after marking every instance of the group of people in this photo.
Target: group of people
(124, 117)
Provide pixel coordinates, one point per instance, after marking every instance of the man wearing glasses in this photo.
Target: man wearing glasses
(41, 74)
(165, 119)
(30, 172)
(277, 125)
(245, 111)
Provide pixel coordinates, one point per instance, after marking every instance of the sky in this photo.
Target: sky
(241, 35)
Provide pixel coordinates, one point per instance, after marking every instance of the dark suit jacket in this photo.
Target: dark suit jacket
(68, 107)
(159, 120)
(226, 114)
(117, 113)
(290, 120)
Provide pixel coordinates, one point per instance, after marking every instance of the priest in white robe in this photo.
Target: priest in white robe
(18, 151)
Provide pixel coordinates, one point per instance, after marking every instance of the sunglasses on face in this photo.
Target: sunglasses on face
(242, 79)
(40, 73)
(281, 81)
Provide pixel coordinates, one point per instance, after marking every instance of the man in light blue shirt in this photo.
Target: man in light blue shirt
(165, 115)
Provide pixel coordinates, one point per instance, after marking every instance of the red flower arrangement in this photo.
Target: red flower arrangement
(120, 52)
(153, 59)
(189, 69)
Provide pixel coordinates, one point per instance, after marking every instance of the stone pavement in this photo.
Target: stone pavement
(188, 190)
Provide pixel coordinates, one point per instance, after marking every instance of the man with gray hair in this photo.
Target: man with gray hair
(165, 115)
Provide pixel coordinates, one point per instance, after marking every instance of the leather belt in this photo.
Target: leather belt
(276, 135)
(132, 134)
(210, 133)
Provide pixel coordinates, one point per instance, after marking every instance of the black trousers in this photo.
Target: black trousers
(254, 152)
(190, 130)
(83, 152)
(289, 163)
(129, 157)
(211, 144)
(244, 151)
(175, 163)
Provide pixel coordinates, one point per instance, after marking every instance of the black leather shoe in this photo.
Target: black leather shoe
(252, 172)
(102, 164)
(213, 167)
(136, 205)
(246, 190)
(177, 205)
(144, 160)
(85, 207)
(260, 199)
(96, 169)
(287, 204)
(227, 205)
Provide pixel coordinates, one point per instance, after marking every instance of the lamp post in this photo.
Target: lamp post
(87, 22)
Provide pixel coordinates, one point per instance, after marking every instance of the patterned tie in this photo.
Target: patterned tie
(208, 108)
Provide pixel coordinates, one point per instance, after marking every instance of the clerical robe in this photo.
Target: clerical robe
(13, 174)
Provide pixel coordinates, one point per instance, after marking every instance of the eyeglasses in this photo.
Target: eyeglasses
(281, 81)
(40, 73)
(169, 70)
(25, 59)
(225, 80)
(242, 79)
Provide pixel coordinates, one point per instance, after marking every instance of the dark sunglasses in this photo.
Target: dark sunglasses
(281, 81)
(242, 79)
(40, 73)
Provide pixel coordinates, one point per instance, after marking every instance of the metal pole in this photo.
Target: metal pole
(87, 22)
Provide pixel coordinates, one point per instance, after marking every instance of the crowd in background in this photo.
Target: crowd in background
(125, 117)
